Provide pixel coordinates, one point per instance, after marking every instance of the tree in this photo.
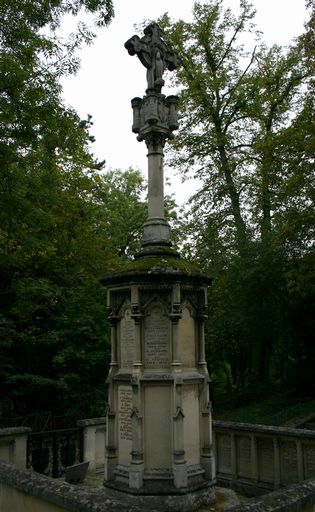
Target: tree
(65, 237)
(214, 128)
(45, 190)
(239, 112)
(123, 212)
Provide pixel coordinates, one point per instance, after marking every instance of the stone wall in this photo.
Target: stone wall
(295, 498)
(23, 490)
(13, 442)
(255, 459)
(94, 442)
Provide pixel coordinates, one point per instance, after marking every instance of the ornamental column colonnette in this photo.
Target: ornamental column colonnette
(158, 440)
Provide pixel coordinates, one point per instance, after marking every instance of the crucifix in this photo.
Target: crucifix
(153, 54)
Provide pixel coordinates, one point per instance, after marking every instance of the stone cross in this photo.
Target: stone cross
(154, 120)
(153, 54)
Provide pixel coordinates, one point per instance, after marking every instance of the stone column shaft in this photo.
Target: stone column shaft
(155, 181)
(156, 230)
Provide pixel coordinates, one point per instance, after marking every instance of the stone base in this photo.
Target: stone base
(181, 501)
(156, 230)
(156, 250)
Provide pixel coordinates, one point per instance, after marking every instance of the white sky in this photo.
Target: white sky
(109, 78)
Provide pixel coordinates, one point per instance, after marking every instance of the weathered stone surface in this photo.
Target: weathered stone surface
(124, 424)
(13, 431)
(156, 338)
(127, 340)
(288, 462)
(244, 468)
(68, 497)
(264, 429)
(257, 458)
(266, 460)
(296, 498)
(77, 472)
(191, 424)
(187, 339)
(309, 460)
(224, 453)
(13, 445)
(157, 430)
(153, 54)
(91, 422)
(160, 440)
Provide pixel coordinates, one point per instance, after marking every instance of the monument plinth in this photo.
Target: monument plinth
(159, 441)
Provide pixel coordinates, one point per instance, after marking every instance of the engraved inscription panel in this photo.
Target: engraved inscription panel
(224, 453)
(266, 460)
(157, 339)
(127, 340)
(309, 460)
(244, 456)
(288, 456)
(125, 406)
(124, 423)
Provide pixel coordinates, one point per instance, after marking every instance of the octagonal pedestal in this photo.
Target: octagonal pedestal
(159, 440)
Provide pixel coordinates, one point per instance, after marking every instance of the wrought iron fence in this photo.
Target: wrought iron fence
(40, 422)
(51, 452)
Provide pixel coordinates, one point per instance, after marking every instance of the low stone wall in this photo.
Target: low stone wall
(23, 490)
(255, 459)
(13, 443)
(296, 498)
(94, 442)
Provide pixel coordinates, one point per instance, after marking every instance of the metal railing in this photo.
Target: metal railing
(51, 452)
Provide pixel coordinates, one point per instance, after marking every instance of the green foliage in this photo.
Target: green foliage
(59, 213)
(122, 213)
(53, 304)
(272, 411)
(247, 133)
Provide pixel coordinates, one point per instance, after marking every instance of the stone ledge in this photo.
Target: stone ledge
(91, 421)
(163, 269)
(14, 431)
(296, 498)
(263, 429)
(59, 493)
(75, 499)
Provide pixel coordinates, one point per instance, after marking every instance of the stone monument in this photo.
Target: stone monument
(159, 438)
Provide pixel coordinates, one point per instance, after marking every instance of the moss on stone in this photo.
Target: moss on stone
(161, 264)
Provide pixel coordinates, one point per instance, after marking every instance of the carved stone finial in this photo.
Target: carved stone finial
(153, 54)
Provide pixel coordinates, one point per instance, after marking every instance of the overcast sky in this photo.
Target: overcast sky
(109, 78)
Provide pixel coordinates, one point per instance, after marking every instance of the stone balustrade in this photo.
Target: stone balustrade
(255, 459)
(13, 443)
